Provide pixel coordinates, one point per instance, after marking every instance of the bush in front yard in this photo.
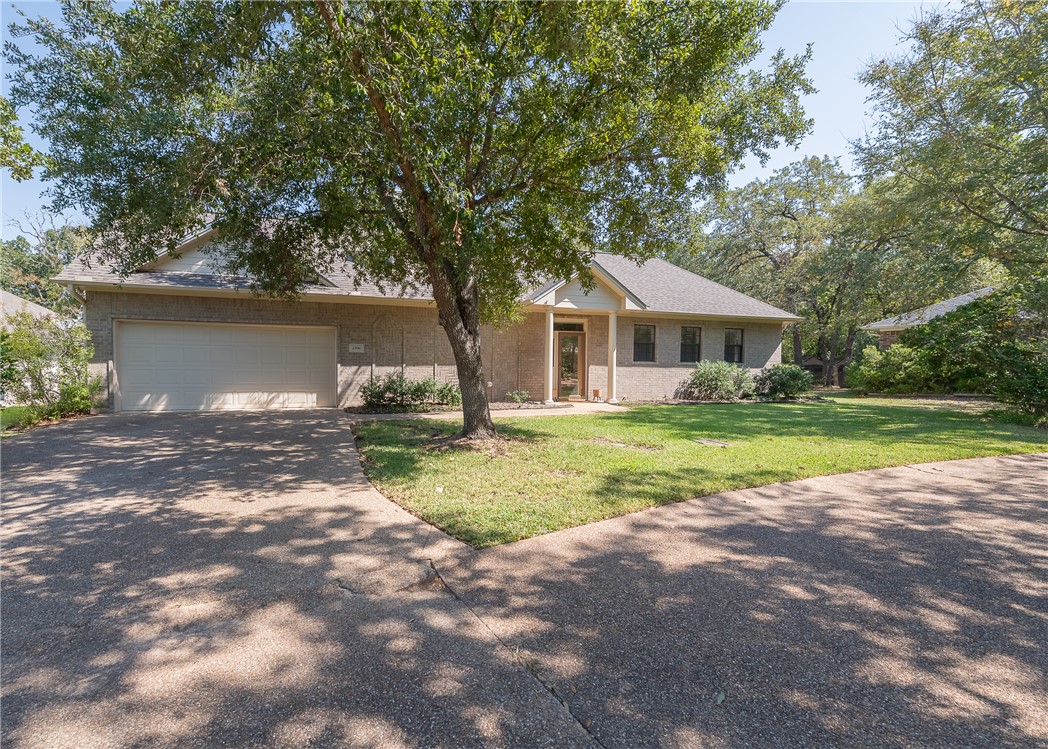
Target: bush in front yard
(783, 381)
(1022, 377)
(716, 381)
(897, 370)
(45, 367)
(395, 391)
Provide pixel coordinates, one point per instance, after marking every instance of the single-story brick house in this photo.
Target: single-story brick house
(888, 330)
(177, 335)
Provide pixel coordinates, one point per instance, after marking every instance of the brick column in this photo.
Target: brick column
(613, 350)
(550, 359)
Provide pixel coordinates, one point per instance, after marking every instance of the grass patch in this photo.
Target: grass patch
(549, 473)
(11, 415)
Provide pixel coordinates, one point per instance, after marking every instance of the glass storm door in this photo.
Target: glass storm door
(570, 365)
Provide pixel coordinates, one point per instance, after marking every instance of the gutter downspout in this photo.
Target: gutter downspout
(73, 293)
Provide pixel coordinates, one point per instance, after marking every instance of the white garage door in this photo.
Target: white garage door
(205, 367)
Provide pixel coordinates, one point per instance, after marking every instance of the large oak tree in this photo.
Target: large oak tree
(474, 148)
(961, 126)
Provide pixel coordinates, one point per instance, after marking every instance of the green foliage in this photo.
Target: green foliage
(897, 370)
(8, 370)
(15, 154)
(863, 340)
(997, 344)
(811, 240)
(518, 396)
(716, 381)
(45, 366)
(960, 128)
(1022, 377)
(957, 349)
(447, 394)
(783, 381)
(397, 392)
(29, 262)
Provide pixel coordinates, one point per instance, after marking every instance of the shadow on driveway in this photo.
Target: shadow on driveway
(233, 580)
(892, 608)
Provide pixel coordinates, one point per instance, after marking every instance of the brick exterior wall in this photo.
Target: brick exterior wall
(409, 338)
(761, 347)
(888, 338)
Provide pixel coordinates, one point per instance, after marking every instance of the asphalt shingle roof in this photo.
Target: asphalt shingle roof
(12, 303)
(924, 314)
(660, 286)
(342, 281)
(665, 287)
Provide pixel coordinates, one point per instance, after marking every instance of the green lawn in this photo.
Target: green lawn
(9, 416)
(556, 472)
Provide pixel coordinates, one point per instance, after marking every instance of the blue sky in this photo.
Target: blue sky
(844, 35)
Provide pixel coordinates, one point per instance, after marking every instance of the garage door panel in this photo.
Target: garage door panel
(188, 367)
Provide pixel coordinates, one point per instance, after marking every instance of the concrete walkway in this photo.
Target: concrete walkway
(233, 580)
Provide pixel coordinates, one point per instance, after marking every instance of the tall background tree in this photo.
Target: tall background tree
(961, 127)
(815, 241)
(28, 262)
(474, 148)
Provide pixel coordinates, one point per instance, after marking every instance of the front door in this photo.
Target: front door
(571, 365)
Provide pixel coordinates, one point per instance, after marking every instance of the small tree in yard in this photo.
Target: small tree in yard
(474, 148)
(45, 365)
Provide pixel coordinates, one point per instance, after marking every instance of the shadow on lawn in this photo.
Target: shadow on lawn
(195, 580)
(914, 613)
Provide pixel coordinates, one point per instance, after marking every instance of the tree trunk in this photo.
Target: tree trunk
(849, 344)
(798, 350)
(459, 310)
(831, 358)
(824, 355)
(476, 415)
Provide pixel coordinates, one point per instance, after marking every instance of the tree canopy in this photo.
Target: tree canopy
(961, 125)
(16, 155)
(814, 240)
(472, 147)
(30, 260)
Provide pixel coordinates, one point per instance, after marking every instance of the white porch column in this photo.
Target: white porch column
(613, 353)
(548, 397)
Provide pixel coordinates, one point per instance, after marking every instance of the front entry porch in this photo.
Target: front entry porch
(568, 358)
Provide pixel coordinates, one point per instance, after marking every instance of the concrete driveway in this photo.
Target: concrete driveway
(233, 580)
(903, 607)
(207, 580)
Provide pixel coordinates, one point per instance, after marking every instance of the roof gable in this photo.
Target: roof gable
(194, 260)
(606, 294)
(665, 287)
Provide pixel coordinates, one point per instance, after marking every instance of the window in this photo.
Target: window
(643, 343)
(571, 327)
(689, 344)
(733, 345)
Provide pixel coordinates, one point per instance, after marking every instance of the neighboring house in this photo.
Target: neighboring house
(888, 330)
(177, 335)
(10, 304)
